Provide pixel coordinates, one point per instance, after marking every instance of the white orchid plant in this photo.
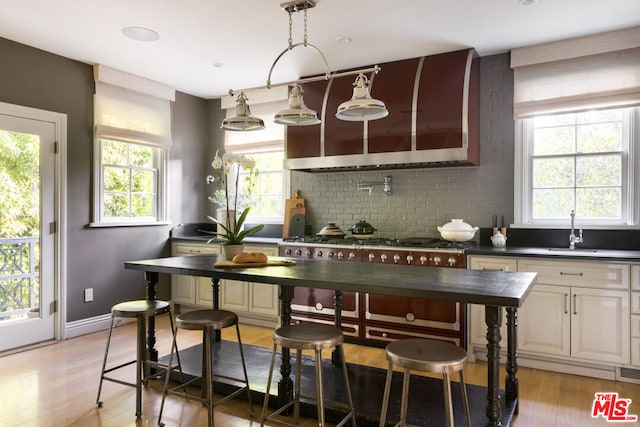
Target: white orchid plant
(230, 195)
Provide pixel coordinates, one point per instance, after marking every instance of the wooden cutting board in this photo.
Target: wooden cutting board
(294, 210)
(269, 263)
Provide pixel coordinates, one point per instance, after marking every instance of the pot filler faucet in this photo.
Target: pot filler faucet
(573, 239)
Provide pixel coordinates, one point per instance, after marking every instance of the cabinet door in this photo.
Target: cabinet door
(477, 330)
(183, 289)
(204, 292)
(234, 295)
(263, 299)
(544, 321)
(600, 325)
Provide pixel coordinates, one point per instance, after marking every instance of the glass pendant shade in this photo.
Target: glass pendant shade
(361, 106)
(297, 114)
(243, 120)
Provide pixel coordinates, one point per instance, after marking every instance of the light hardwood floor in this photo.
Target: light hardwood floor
(56, 385)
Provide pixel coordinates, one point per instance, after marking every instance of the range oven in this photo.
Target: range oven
(378, 318)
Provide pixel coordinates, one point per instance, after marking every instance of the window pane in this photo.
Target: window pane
(598, 171)
(142, 205)
(116, 205)
(554, 120)
(600, 137)
(557, 172)
(603, 203)
(114, 152)
(556, 140)
(141, 156)
(116, 179)
(142, 181)
(552, 203)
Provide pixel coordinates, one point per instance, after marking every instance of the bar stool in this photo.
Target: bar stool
(142, 310)
(308, 337)
(425, 355)
(207, 321)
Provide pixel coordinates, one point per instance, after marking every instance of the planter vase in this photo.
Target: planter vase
(221, 216)
(231, 250)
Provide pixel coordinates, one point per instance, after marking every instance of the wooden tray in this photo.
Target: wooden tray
(231, 264)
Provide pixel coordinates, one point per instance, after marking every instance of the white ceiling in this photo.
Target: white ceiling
(246, 36)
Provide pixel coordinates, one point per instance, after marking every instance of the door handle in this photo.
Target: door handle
(575, 303)
(566, 306)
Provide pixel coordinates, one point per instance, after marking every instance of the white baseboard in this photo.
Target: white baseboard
(91, 325)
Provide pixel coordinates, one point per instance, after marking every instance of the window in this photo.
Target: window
(583, 161)
(131, 176)
(268, 187)
(131, 145)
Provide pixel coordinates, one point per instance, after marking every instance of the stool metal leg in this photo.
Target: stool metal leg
(385, 398)
(345, 375)
(265, 404)
(244, 369)
(404, 402)
(166, 378)
(104, 362)
(448, 406)
(297, 392)
(140, 354)
(319, 393)
(208, 374)
(465, 400)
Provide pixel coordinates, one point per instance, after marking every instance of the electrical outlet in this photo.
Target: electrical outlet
(88, 295)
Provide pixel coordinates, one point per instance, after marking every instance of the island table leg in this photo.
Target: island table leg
(511, 381)
(337, 308)
(285, 385)
(493, 319)
(151, 279)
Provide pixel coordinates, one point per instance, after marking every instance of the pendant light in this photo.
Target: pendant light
(361, 106)
(298, 114)
(243, 120)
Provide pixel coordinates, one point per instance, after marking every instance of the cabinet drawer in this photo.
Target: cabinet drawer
(586, 274)
(635, 325)
(178, 249)
(385, 334)
(498, 263)
(348, 329)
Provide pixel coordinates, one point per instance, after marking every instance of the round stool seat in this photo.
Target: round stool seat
(141, 307)
(426, 355)
(308, 337)
(203, 319)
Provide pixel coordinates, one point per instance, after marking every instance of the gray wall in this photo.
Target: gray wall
(422, 199)
(95, 257)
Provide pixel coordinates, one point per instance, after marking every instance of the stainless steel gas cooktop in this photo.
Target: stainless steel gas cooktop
(416, 242)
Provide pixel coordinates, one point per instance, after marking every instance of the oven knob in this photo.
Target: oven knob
(372, 257)
(287, 251)
(451, 261)
(409, 259)
(298, 252)
(319, 254)
(396, 258)
(352, 255)
(384, 335)
(330, 254)
(383, 257)
(308, 252)
(340, 255)
(423, 259)
(437, 260)
(319, 306)
(410, 317)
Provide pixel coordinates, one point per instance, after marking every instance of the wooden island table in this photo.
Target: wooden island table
(493, 289)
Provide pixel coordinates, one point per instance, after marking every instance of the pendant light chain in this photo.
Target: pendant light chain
(290, 31)
(305, 25)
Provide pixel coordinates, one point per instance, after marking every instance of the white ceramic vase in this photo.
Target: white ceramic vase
(221, 216)
(231, 250)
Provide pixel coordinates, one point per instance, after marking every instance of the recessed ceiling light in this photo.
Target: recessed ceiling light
(343, 40)
(527, 2)
(218, 65)
(141, 34)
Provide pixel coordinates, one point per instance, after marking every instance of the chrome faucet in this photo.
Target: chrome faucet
(573, 239)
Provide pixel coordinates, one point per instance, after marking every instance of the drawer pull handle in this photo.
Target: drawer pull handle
(564, 273)
(493, 269)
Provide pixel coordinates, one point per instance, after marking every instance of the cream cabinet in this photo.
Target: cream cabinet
(187, 289)
(635, 315)
(254, 303)
(577, 309)
(477, 330)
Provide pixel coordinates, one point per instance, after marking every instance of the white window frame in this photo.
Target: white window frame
(523, 177)
(161, 162)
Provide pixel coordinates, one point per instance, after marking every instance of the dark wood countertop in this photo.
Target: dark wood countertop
(497, 288)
